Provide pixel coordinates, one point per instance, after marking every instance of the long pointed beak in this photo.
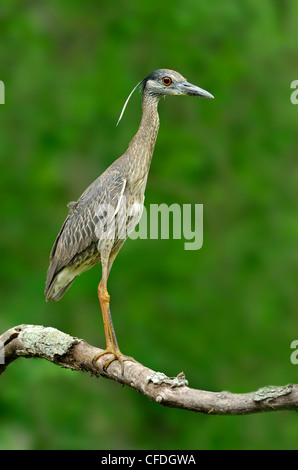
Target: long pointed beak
(187, 88)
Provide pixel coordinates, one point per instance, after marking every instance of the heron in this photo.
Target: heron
(100, 221)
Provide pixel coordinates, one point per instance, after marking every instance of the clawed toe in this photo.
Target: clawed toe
(117, 356)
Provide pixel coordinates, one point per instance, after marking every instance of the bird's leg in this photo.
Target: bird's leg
(104, 299)
(111, 341)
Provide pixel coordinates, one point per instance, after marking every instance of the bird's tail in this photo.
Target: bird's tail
(57, 281)
(55, 292)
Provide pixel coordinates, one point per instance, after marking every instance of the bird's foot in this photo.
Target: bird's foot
(117, 356)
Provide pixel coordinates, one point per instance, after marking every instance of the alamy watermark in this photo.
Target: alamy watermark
(294, 355)
(159, 221)
(2, 92)
(294, 94)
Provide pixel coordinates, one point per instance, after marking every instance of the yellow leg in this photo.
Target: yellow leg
(111, 341)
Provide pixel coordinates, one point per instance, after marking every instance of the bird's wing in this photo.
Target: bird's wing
(87, 220)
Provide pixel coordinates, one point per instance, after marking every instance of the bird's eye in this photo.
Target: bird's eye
(167, 81)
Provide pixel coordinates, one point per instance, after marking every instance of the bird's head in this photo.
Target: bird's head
(163, 82)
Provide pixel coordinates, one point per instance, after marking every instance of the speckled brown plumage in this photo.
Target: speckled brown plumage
(88, 234)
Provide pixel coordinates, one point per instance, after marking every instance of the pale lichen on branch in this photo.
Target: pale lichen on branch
(76, 354)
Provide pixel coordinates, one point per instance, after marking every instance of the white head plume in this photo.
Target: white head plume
(125, 104)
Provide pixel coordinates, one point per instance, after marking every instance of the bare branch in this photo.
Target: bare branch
(73, 353)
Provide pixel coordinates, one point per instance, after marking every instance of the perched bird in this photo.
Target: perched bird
(99, 222)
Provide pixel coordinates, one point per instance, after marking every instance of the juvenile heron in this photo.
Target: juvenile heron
(99, 222)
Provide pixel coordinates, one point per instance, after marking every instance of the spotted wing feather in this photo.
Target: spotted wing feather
(82, 231)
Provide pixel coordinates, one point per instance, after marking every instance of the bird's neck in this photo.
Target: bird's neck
(142, 145)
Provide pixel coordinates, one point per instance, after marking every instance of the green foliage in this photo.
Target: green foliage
(226, 314)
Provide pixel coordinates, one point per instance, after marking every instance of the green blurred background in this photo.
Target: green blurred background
(226, 314)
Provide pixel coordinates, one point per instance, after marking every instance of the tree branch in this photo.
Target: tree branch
(73, 353)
